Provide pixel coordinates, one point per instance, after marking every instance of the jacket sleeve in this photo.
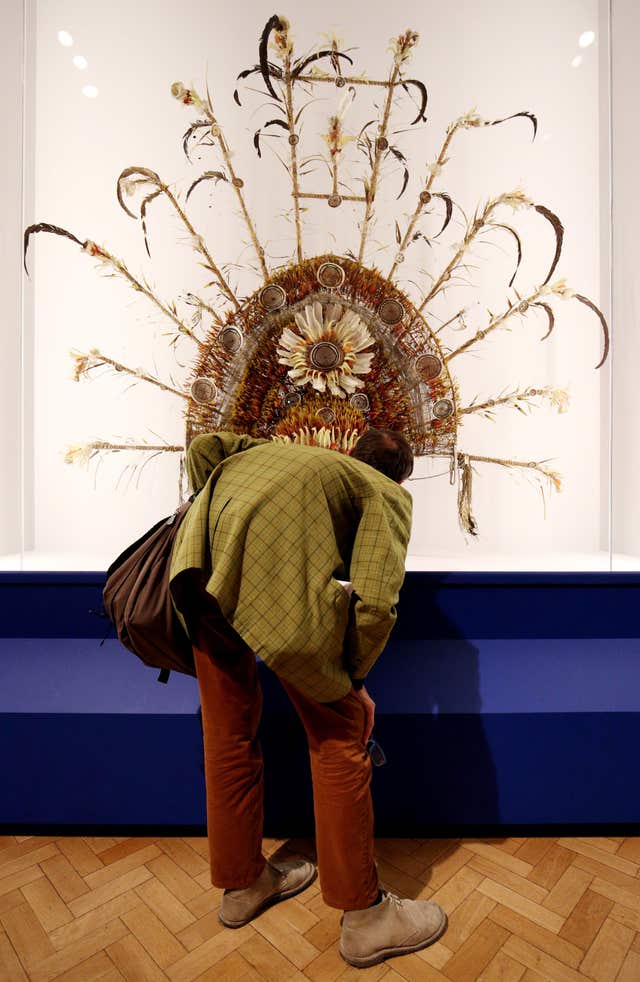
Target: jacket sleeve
(207, 450)
(377, 572)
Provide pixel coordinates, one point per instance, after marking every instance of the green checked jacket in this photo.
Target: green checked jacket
(272, 530)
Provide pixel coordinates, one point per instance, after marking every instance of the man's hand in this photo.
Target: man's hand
(370, 708)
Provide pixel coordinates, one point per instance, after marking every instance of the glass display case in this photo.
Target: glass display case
(492, 189)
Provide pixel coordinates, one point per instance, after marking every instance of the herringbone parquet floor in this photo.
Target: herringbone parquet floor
(520, 910)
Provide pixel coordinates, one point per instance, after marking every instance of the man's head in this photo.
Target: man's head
(387, 451)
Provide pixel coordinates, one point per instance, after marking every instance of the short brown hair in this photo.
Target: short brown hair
(387, 450)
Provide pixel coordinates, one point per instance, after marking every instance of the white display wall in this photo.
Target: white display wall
(499, 58)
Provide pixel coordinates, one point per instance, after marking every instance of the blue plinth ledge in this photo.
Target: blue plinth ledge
(506, 704)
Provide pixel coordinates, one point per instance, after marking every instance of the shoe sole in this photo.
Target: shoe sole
(384, 953)
(269, 902)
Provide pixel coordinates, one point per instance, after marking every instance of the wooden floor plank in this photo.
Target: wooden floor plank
(608, 951)
(121, 866)
(584, 848)
(46, 903)
(27, 935)
(78, 952)
(534, 849)
(457, 888)
(466, 917)
(81, 857)
(539, 961)
(630, 971)
(501, 968)
(476, 953)
(208, 954)
(586, 919)
(184, 856)
(508, 898)
(94, 969)
(172, 912)
(92, 909)
(64, 877)
(539, 937)
(232, 968)
(520, 884)
(96, 898)
(10, 883)
(174, 878)
(155, 938)
(444, 867)
(566, 893)
(551, 866)
(94, 919)
(278, 932)
(498, 856)
(10, 965)
(268, 962)
(134, 963)
(17, 864)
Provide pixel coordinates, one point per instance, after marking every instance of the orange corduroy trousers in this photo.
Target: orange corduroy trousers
(231, 700)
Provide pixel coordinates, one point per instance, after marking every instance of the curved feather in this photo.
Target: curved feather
(366, 125)
(403, 160)
(272, 122)
(300, 66)
(45, 227)
(274, 71)
(449, 204)
(508, 228)
(528, 115)
(550, 315)
(422, 89)
(210, 175)
(194, 126)
(143, 217)
(605, 326)
(558, 228)
(274, 23)
(148, 175)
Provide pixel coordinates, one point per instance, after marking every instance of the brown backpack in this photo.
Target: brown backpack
(137, 600)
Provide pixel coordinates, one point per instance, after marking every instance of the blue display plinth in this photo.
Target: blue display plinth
(505, 703)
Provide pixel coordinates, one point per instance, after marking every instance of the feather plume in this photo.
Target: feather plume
(422, 89)
(507, 228)
(45, 227)
(143, 218)
(210, 175)
(550, 315)
(559, 230)
(403, 160)
(199, 124)
(274, 71)
(449, 210)
(128, 185)
(527, 115)
(300, 66)
(274, 23)
(601, 318)
(258, 133)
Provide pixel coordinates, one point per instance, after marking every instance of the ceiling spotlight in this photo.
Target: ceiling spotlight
(65, 38)
(577, 61)
(80, 62)
(586, 38)
(90, 91)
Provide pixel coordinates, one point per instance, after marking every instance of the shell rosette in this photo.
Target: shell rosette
(328, 350)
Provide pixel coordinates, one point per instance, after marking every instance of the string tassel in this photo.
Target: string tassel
(465, 516)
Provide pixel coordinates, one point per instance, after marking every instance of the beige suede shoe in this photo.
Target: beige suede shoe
(276, 882)
(393, 927)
